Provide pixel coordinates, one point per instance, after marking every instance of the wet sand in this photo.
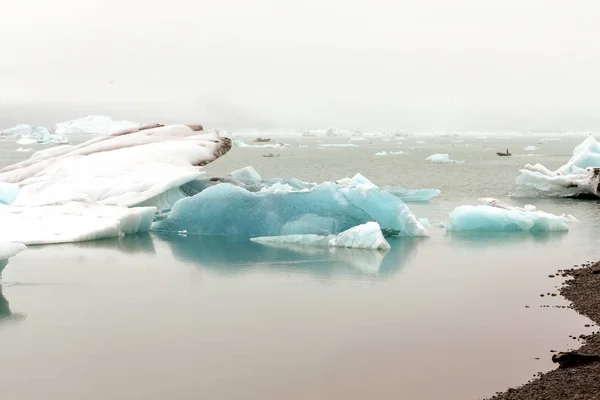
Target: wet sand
(580, 382)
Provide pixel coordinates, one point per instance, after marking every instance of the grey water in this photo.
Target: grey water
(166, 316)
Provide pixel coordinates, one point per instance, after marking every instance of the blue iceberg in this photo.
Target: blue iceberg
(8, 192)
(250, 207)
(496, 216)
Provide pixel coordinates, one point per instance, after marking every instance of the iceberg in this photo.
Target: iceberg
(30, 134)
(84, 192)
(122, 170)
(413, 195)
(242, 144)
(579, 177)
(8, 250)
(530, 148)
(385, 153)
(71, 222)
(8, 192)
(498, 216)
(365, 236)
(442, 159)
(226, 208)
(22, 150)
(92, 124)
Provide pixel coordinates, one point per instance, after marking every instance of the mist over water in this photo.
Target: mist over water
(368, 65)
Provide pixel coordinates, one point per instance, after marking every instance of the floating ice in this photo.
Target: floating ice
(8, 250)
(8, 192)
(75, 193)
(413, 195)
(502, 217)
(125, 169)
(530, 148)
(22, 150)
(580, 176)
(385, 153)
(93, 124)
(242, 144)
(420, 142)
(30, 134)
(365, 236)
(71, 222)
(327, 208)
(442, 159)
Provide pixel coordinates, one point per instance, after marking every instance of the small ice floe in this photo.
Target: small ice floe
(442, 159)
(366, 236)
(391, 153)
(530, 148)
(24, 150)
(497, 216)
(338, 145)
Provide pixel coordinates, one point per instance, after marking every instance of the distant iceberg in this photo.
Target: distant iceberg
(245, 206)
(338, 145)
(30, 134)
(93, 124)
(579, 177)
(75, 193)
(497, 216)
(442, 159)
(413, 195)
(530, 148)
(242, 144)
(391, 153)
(365, 236)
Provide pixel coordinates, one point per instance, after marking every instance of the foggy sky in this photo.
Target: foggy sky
(373, 64)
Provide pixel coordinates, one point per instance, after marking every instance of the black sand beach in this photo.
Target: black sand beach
(578, 382)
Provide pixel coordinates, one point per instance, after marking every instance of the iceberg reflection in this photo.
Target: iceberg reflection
(235, 254)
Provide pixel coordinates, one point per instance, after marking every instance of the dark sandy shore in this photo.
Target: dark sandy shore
(580, 382)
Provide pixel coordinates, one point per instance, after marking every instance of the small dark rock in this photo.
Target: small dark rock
(587, 325)
(550, 276)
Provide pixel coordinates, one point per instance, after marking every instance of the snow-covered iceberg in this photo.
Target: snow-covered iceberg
(580, 176)
(10, 249)
(76, 193)
(413, 195)
(442, 159)
(497, 216)
(287, 208)
(365, 236)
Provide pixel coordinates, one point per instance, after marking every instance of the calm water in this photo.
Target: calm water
(154, 317)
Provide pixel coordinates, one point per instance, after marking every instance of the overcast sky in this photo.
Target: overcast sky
(372, 64)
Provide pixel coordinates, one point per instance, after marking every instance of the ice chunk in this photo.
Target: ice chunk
(580, 176)
(125, 170)
(365, 236)
(420, 142)
(8, 250)
(26, 141)
(246, 175)
(498, 216)
(93, 124)
(22, 150)
(413, 195)
(442, 159)
(530, 148)
(242, 144)
(385, 153)
(30, 134)
(71, 222)
(226, 209)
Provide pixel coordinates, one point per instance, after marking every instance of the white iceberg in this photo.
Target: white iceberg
(580, 176)
(30, 134)
(530, 148)
(242, 144)
(442, 159)
(365, 236)
(76, 193)
(9, 249)
(238, 208)
(413, 195)
(22, 150)
(93, 124)
(498, 216)
(385, 153)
